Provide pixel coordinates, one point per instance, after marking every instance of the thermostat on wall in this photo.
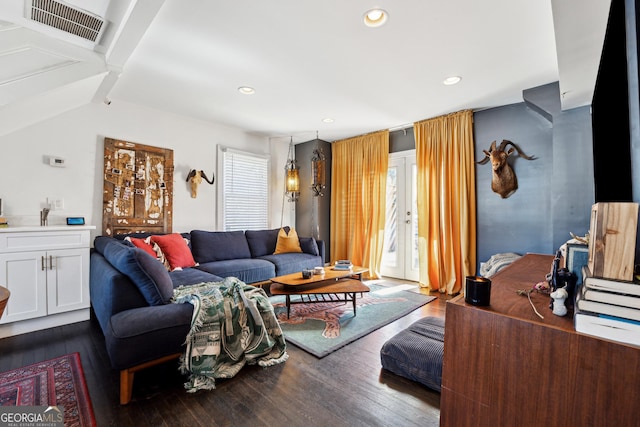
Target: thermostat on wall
(75, 220)
(56, 161)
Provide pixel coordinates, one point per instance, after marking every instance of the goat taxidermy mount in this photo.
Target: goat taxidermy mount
(195, 178)
(503, 178)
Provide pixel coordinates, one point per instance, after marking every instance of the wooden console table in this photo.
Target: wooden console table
(504, 366)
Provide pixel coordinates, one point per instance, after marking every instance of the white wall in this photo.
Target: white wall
(27, 180)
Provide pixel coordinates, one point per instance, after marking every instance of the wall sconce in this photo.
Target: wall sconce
(317, 172)
(292, 179)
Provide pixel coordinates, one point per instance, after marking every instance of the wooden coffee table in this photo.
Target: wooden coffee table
(332, 286)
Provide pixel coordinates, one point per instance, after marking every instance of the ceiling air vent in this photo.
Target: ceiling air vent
(67, 18)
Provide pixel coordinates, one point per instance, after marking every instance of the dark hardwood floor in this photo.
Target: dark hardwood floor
(345, 388)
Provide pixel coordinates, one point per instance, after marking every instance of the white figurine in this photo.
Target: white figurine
(559, 295)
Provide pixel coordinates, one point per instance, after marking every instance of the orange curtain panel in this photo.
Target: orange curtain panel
(358, 199)
(446, 201)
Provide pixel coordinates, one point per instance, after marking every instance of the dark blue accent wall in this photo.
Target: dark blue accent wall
(555, 191)
(522, 222)
(313, 213)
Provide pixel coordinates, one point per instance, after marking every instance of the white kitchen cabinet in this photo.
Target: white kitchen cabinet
(46, 269)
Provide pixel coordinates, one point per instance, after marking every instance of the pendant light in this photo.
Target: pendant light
(292, 178)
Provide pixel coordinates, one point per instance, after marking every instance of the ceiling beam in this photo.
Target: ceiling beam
(133, 25)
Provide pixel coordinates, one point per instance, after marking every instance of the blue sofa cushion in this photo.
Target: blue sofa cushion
(292, 262)
(208, 246)
(262, 242)
(147, 273)
(192, 276)
(249, 270)
(416, 353)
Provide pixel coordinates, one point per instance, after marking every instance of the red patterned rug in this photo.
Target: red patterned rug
(55, 382)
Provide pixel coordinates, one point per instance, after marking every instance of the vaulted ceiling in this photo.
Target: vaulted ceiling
(307, 60)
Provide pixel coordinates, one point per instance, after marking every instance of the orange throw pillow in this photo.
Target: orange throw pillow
(175, 249)
(287, 243)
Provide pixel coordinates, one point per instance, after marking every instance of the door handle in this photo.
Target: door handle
(50, 262)
(43, 263)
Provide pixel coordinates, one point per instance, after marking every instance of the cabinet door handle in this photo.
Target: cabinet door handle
(44, 262)
(50, 262)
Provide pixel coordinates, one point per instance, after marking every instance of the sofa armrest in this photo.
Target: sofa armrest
(110, 291)
(321, 249)
(144, 334)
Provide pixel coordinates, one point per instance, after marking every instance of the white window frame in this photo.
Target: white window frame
(228, 196)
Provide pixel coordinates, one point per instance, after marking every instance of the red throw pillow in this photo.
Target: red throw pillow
(175, 249)
(142, 244)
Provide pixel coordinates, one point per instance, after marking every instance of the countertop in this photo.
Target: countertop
(38, 228)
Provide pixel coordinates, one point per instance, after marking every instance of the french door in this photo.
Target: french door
(400, 256)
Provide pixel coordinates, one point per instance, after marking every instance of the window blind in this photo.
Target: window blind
(245, 190)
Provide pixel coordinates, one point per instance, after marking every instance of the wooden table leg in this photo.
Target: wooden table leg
(353, 298)
(288, 299)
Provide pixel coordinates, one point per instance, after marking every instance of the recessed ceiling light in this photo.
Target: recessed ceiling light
(375, 17)
(246, 90)
(452, 80)
(327, 120)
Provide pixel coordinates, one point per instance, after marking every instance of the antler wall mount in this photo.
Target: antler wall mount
(195, 178)
(503, 178)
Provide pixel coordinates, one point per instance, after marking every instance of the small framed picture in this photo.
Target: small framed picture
(577, 256)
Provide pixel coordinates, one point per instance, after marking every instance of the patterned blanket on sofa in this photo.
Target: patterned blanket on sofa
(233, 324)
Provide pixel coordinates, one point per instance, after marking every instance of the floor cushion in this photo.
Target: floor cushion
(416, 352)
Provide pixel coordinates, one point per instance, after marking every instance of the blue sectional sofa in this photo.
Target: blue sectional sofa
(131, 290)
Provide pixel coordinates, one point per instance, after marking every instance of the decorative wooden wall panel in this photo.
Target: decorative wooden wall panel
(138, 188)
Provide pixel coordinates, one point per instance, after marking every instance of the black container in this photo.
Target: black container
(477, 290)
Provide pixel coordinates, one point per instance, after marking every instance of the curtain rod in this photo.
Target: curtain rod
(406, 126)
(410, 125)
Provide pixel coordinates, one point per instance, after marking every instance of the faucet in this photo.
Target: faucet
(44, 213)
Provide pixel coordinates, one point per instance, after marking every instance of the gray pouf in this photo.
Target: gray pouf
(416, 352)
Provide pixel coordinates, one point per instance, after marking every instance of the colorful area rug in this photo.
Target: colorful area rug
(56, 382)
(322, 328)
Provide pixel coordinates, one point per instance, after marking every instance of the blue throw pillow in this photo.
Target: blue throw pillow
(309, 245)
(147, 273)
(263, 242)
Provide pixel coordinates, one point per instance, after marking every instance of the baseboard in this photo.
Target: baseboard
(51, 321)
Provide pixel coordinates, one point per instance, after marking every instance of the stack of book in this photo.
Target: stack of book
(608, 308)
(343, 264)
(3, 222)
